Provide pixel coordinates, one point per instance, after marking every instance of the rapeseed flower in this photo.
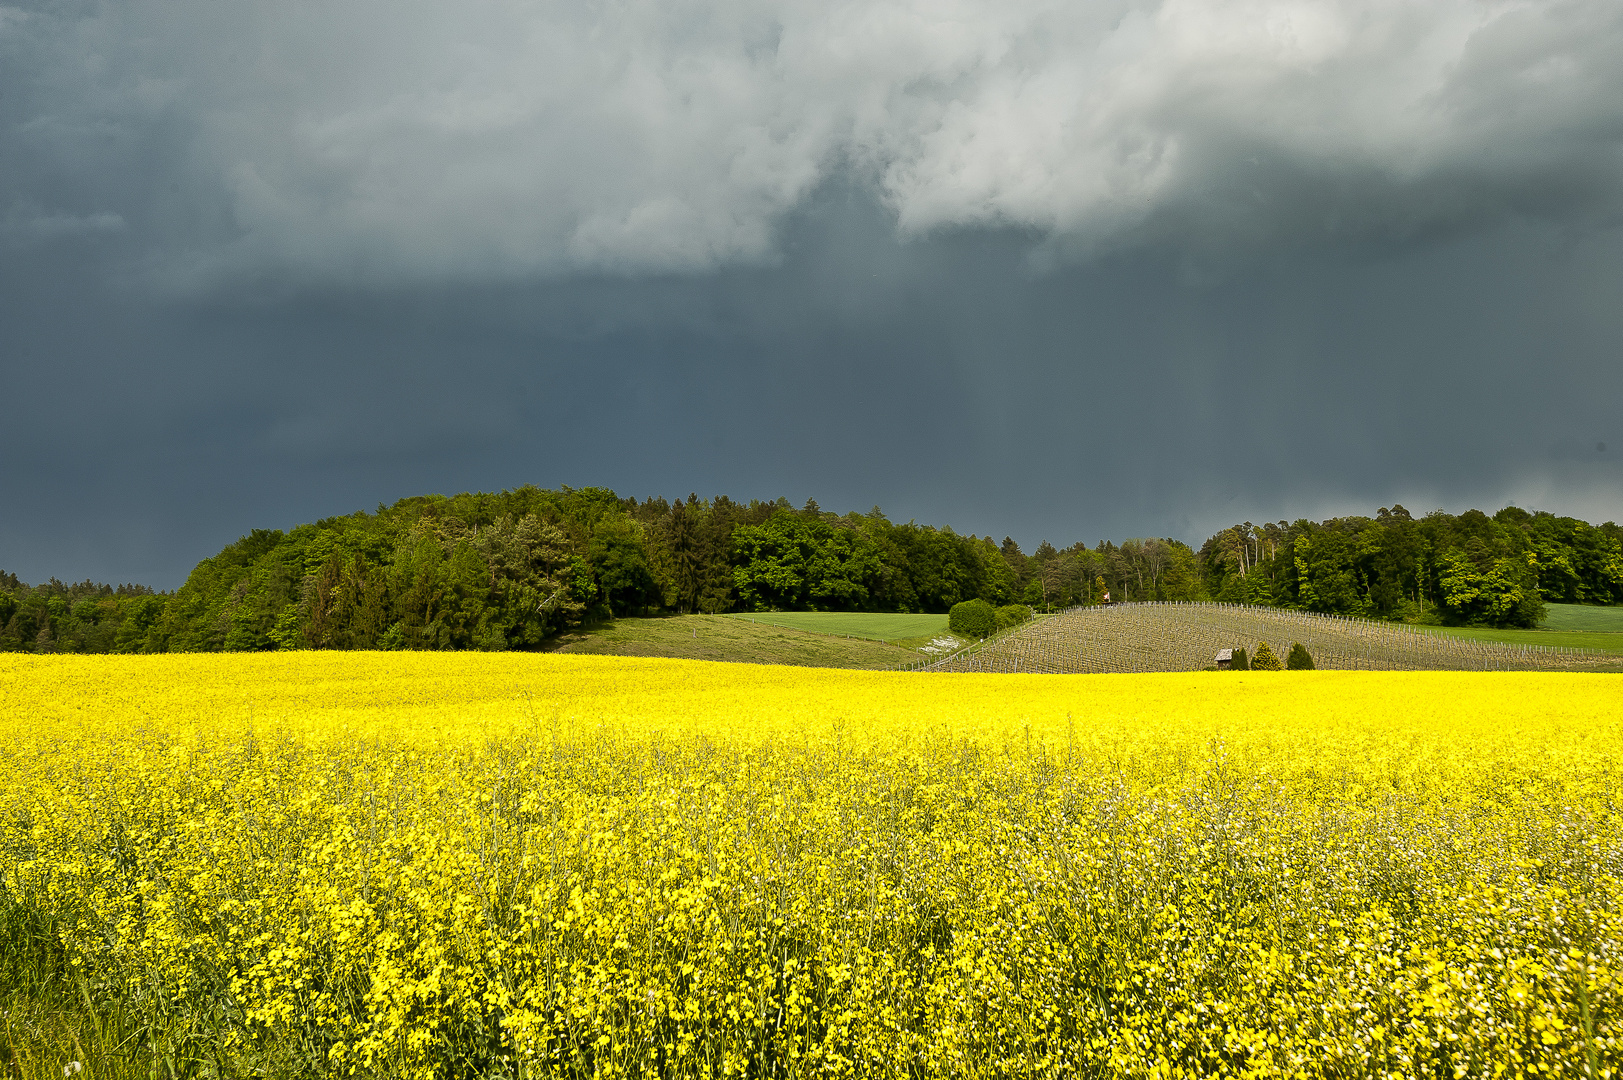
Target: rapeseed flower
(422, 865)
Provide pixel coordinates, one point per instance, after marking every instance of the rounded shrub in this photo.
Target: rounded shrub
(972, 618)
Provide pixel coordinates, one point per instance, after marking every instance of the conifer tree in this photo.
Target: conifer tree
(1299, 659)
(1265, 659)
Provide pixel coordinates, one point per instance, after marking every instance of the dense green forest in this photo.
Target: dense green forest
(86, 617)
(510, 570)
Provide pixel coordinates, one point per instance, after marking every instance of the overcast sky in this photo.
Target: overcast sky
(1065, 271)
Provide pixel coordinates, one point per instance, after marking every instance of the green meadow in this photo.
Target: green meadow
(1573, 626)
(1583, 617)
(724, 637)
(874, 625)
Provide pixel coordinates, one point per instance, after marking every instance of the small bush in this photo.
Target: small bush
(1239, 663)
(1012, 615)
(972, 618)
(1266, 660)
(1299, 659)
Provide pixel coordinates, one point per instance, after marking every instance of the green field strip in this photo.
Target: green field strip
(1582, 617)
(1601, 642)
(719, 637)
(875, 626)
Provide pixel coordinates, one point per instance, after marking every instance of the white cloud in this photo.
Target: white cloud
(407, 139)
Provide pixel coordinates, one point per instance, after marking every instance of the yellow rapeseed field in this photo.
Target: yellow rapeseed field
(431, 865)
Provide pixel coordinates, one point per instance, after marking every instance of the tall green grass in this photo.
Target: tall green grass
(47, 1023)
(1583, 617)
(1570, 639)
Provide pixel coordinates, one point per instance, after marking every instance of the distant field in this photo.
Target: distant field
(722, 637)
(879, 626)
(1583, 617)
(862, 640)
(1187, 637)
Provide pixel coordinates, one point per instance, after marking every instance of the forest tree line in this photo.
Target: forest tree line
(512, 570)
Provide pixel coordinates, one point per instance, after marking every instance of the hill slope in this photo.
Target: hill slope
(1187, 637)
(718, 637)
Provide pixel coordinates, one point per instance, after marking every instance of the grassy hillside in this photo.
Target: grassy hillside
(1586, 617)
(1571, 639)
(879, 640)
(1186, 637)
(720, 637)
(879, 626)
(1573, 626)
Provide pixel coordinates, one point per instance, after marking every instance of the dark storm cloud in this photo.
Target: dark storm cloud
(1117, 270)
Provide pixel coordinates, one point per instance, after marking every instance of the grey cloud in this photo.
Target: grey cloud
(373, 142)
(23, 224)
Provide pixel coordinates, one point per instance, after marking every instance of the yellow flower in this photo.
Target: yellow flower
(415, 864)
